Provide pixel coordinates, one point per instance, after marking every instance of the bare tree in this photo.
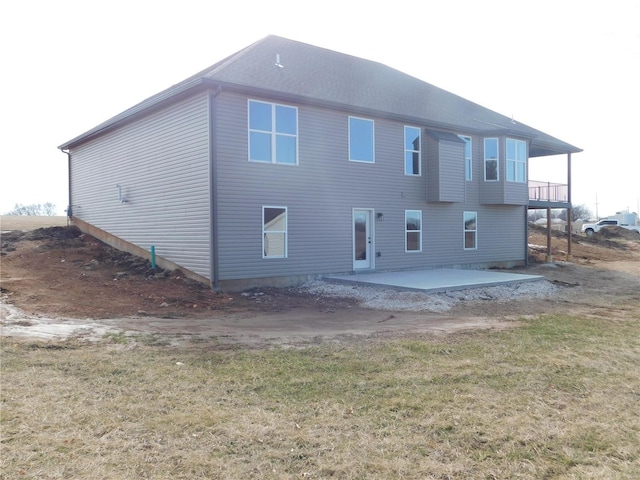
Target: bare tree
(35, 210)
(581, 212)
(578, 212)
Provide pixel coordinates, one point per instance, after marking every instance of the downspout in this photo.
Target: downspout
(213, 190)
(70, 204)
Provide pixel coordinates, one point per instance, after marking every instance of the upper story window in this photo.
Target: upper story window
(467, 158)
(411, 151)
(516, 160)
(413, 230)
(491, 159)
(273, 133)
(361, 140)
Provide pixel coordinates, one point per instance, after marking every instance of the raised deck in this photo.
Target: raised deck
(548, 195)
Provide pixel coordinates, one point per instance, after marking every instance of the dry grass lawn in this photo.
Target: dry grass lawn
(27, 222)
(556, 398)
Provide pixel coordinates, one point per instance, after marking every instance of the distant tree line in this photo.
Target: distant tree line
(578, 212)
(34, 210)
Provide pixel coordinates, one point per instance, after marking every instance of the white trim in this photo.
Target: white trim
(467, 137)
(285, 232)
(371, 248)
(406, 244)
(373, 139)
(405, 150)
(464, 231)
(515, 161)
(273, 133)
(497, 159)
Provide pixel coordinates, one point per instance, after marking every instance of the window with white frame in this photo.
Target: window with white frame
(361, 143)
(274, 232)
(413, 230)
(491, 159)
(468, 165)
(411, 151)
(273, 133)
(516, 160)
(470, 230)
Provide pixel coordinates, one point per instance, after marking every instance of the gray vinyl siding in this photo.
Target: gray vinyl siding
(500, 234)
(321, 192)
(516, 193)
(445, 170)
(161, 163)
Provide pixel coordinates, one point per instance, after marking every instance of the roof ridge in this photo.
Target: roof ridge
(216, 67)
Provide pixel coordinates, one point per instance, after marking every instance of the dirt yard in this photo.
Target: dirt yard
(57, 281)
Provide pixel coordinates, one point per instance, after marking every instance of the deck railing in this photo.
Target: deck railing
(548, 192)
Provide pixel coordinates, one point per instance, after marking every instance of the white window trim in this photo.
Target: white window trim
(373, 139)
(464, 231)
(273, 132)
(404, 161)
(497, 159)
(468, 160)
(285, 231)
(515, 161)
(406, 250)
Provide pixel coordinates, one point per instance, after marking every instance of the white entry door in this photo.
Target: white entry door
(362, 238)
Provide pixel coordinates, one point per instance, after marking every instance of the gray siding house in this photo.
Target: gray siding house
(286, 161)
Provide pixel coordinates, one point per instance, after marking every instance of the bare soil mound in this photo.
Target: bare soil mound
(61, 271)
(585, 250)
(617, 232)
(606, 237)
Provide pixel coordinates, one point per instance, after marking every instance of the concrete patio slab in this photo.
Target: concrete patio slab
(436, 280)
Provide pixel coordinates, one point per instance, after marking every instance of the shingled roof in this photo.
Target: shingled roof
(313, 75)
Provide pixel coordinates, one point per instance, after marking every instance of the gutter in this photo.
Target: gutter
(214, 264)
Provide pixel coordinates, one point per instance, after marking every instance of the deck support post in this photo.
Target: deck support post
(549, 256)
(569, 210)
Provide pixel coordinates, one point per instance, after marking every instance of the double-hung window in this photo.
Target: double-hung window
(470, 230)
(413, 230)
(411, 151)
(491, 159)
(274, 232)
(361, 144)
(467, 158)
(273, 133)
(516, 160)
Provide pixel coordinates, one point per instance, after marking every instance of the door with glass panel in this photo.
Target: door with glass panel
(362, 239)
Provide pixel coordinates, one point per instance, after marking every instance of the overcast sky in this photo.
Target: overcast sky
(569, 68)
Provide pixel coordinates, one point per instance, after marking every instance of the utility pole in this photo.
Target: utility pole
(597, 215)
